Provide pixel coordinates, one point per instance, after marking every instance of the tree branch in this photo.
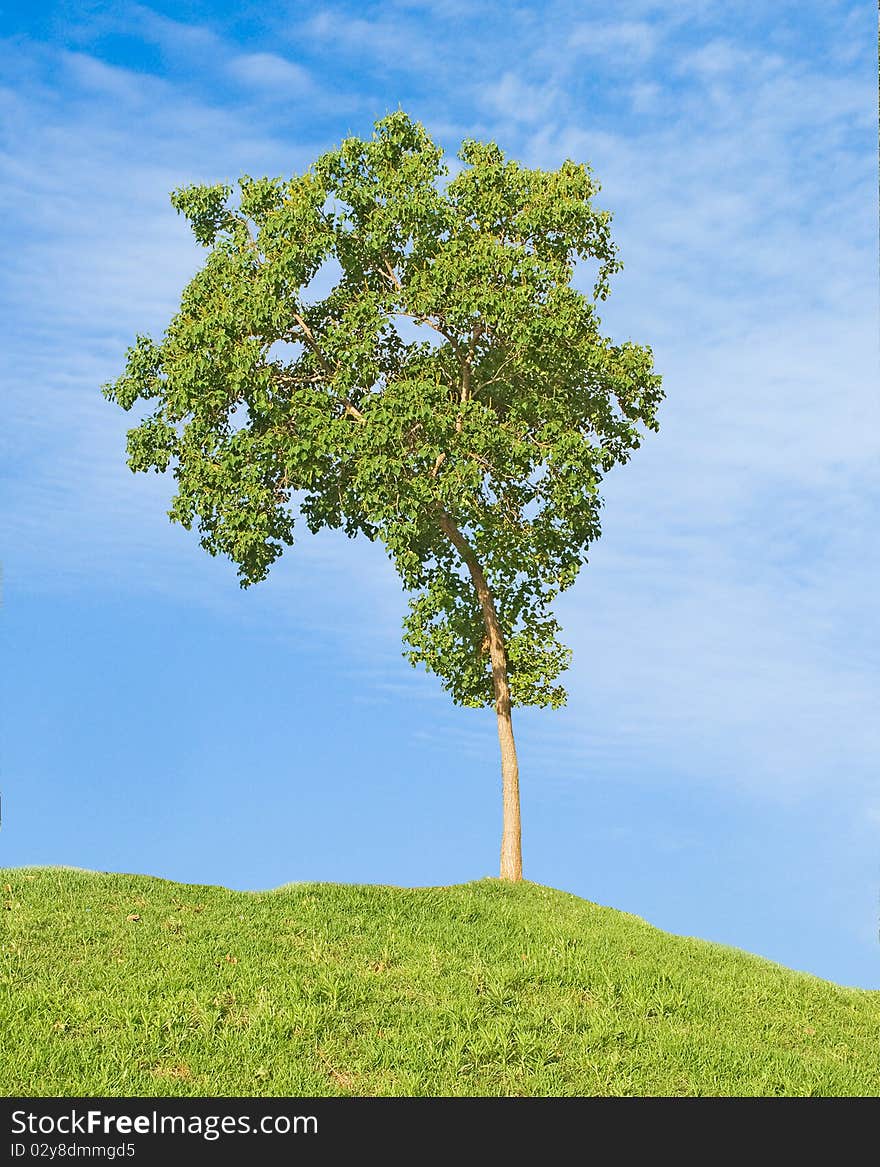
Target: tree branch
(313, 345)
(497, 375)
(476, 333)
(350, 410)
(494, 635)
(437, 327)
(289, 379)
(464, 360)
(483, 462)
(391, 274)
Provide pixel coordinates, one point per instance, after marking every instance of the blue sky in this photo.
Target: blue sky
(715, 771)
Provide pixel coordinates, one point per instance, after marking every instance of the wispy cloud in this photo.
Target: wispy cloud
(271, 71)
(625, 40)
(177, 38)
(720, 57)
(513, 100)
(383, 42)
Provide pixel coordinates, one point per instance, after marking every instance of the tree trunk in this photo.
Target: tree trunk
(511, 836)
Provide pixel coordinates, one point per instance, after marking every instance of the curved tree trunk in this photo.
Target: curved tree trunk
(511, 837)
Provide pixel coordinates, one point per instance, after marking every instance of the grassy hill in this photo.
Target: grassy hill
(127, 985)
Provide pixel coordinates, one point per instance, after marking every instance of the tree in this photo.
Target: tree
(450, 395)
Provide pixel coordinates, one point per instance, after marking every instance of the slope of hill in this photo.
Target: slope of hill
(122, 985)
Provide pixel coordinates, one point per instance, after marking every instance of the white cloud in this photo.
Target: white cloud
(517, 101)
(98, 77)
(646, 97)
(176, 37)
(387, 42)
(271, 71)
(627, 40)
(720, 56)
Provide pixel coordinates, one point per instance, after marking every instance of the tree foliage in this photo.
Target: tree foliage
(452, 371)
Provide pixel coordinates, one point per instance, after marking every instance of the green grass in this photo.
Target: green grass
(125, 985)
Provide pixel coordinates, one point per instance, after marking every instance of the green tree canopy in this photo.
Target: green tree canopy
(450, 394)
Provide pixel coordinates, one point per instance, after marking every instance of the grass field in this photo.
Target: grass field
(122, 985)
